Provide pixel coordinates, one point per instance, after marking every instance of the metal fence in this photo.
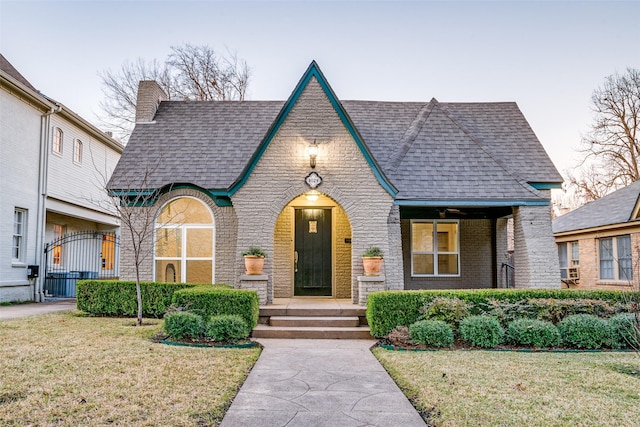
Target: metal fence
(78, 256)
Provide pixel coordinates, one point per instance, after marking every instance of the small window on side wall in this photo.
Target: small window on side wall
(435, 248)
(77, 151)
(58, 136)
(616, 261)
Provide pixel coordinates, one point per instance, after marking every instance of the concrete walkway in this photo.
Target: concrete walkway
(319, 383)
(33, 309)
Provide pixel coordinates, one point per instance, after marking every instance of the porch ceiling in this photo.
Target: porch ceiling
(446, 212)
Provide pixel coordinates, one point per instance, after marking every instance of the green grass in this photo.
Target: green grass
(487, 388)
(69, 370)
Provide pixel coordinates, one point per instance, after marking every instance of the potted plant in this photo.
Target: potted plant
(372, 261)
(254, 260)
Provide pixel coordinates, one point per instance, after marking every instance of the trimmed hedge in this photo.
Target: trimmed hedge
(214, 301)
(434, 333)
(533, 333)
(585, 331)
(481, 331)
(388, 309)
(118, 298)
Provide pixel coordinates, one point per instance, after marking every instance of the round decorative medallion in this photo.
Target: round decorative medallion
(313, 180)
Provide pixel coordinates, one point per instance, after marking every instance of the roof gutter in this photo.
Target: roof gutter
(470, 203)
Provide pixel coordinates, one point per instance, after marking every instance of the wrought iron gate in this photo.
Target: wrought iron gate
(78, 256)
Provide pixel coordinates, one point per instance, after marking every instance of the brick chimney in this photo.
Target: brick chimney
(150, 94)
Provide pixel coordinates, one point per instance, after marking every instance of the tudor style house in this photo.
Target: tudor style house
(598, 243)
(314, 181)
(52, 164)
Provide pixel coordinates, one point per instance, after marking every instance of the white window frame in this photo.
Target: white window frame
(614, 259)
(58, 141)
(572, 262)
(183, 236)
(77, 152)
(435, 252)
(19, 240)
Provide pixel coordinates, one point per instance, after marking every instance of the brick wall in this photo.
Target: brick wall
(535, 256)
(279, 176)
(590, 263)
(475, 258)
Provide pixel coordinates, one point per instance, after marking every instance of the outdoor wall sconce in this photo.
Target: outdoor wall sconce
(313, 154)
(312, 196)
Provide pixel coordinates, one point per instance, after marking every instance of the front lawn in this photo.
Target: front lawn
(69, 370)
(488, 388)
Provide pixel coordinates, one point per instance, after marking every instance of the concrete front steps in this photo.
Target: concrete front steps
(312, 323)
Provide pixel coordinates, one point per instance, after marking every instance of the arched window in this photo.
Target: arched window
(77, 151)
(57, 141)
(184, 249)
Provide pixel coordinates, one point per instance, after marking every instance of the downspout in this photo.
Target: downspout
(43, 172)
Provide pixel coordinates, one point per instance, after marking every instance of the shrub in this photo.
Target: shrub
(227, 328)
(183, 324)
(118, 298)
(449, 310)
(585, 331)
(625, 331)
(534, 333)
(435, 333)
(214, 301)
(388, 309)
(481, 331)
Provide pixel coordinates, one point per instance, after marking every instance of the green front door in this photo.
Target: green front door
(312, 256)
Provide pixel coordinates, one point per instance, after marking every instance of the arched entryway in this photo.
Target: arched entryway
(312, 249)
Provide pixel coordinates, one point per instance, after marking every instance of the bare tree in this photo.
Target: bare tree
(612, 148)
(188, 73)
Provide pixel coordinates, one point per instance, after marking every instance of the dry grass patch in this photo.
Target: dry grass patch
(69, 370)
(485, 388)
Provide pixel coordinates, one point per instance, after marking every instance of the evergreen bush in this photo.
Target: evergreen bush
(533, 333)
(585, 331)
(227, 328)
(434, 333)
(450, 310)
(118, 298)
(183, 324)
(481, 331)
(625, 331)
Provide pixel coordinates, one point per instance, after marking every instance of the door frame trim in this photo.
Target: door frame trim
(333, 249)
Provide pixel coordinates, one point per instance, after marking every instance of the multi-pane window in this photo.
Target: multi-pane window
(615, 258)
(77, 151)
(435, 248)
(184, 242)
(19, 234)
(57, 140)
(569, 256)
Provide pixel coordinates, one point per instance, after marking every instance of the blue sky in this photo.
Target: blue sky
(547, 56)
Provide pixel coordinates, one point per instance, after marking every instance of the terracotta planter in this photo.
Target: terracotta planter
(372, 265)
(253, 264)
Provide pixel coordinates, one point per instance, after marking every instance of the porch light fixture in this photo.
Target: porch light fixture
(312, 195)
(313, 154)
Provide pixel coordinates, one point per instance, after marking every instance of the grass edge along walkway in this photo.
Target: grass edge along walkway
(488, 388)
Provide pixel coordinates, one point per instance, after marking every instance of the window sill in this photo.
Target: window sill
(614, 283)
(15, 264)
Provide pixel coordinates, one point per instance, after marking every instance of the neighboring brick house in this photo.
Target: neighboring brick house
(51, 167)
(432, 184)
(598, 243)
